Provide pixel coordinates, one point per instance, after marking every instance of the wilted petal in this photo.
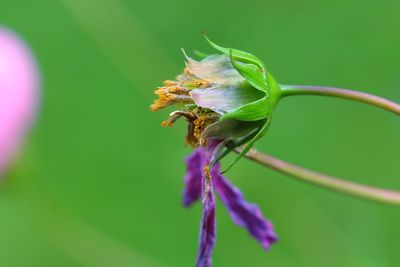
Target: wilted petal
(226, 98)
(18, 94)
(194, 174)
(207, 231)
(243, 213)
(216, 68)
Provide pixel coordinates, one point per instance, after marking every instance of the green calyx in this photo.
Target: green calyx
(253, 70)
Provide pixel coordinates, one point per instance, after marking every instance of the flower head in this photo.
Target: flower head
(228, 96)
(227, 100)
(19, 86)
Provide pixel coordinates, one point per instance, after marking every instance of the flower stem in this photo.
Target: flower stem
(288, 90)
(325, 181)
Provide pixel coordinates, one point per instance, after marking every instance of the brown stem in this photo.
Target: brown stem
(324, 181)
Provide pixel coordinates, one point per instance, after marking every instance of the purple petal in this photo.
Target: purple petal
(197, 183)
(243, 213)
(207, 231)
(19, 84)
(213, 147)
(193, 177)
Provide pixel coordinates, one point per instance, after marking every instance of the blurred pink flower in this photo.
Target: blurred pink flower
(19, 91)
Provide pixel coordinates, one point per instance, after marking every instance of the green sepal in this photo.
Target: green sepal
(253, 70)
(234, 132)
(250, 144)
(242, 56)
(253, 111)
(252, 73)
(231, 129)
(232, 144)
(260, 109)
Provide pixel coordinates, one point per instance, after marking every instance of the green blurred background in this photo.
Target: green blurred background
(100, 182)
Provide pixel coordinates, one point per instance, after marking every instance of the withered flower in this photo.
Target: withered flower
(227, 100)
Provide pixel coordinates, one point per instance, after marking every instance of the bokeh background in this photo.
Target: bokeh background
(99, 181)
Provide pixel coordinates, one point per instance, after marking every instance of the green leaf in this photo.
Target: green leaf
(251, 73)
(249, 145)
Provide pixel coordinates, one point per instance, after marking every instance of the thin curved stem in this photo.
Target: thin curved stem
(325, 181)
(288, 90)
(322, 180)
